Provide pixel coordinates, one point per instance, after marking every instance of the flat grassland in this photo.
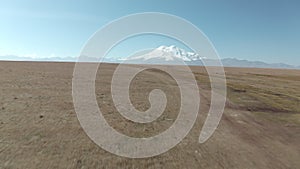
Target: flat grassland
(260, 127)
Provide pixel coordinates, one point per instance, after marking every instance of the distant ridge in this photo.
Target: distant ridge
(19, 58)
(163, 55)
(233, 62)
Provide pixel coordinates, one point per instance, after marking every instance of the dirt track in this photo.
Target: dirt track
(39, 128)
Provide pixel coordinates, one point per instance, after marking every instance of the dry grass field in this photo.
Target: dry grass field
(260, 127)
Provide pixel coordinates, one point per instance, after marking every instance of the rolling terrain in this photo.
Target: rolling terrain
(260, 127)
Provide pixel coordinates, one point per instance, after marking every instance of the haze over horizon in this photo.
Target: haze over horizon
(257, 31)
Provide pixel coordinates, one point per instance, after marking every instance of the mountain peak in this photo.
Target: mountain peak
(167, 53)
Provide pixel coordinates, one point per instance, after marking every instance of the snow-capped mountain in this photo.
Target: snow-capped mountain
(162, 55)
(165, 54)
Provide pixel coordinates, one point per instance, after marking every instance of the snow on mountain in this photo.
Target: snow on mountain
(166, 53)
(173, 55)
(163, 55)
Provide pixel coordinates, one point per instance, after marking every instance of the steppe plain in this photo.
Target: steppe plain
(260, 127)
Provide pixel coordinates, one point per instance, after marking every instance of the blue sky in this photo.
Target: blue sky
(264, 30)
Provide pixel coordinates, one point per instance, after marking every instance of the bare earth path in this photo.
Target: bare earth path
(39, 129)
